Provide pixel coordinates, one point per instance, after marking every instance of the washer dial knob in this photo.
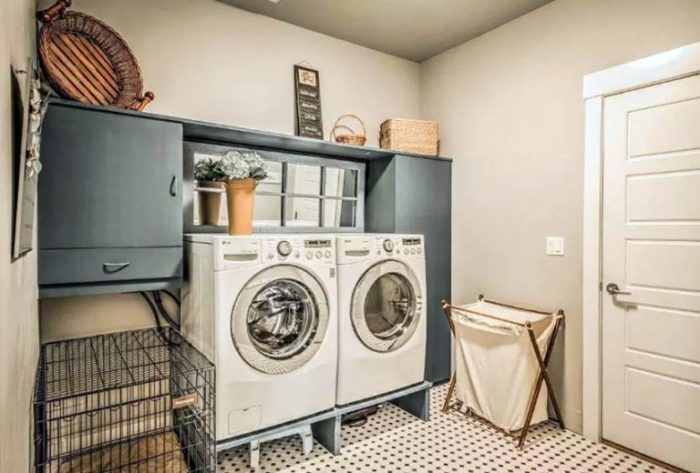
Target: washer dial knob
(284, 248)
(388, 245)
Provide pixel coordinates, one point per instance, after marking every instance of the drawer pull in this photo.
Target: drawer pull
(114, 267)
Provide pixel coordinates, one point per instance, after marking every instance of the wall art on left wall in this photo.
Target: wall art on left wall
(27, 113)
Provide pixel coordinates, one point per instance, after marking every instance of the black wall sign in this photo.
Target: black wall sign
(308, 95)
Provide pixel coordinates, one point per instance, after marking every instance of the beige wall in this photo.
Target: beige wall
(511, 115)
(19, 332)
(209, 61)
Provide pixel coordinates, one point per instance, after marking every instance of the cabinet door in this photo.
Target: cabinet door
(109, 180)
(423, 205)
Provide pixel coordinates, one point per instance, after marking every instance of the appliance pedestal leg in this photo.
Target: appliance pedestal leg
(307, 441)
(328, 433)
(417, 403)
(254, 449)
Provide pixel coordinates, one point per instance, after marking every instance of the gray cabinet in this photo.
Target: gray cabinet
(110, 202)
(411, 194)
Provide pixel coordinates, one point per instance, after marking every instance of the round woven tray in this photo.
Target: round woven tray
(88, 61)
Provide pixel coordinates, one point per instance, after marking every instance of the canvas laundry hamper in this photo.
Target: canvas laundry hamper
(497, 371)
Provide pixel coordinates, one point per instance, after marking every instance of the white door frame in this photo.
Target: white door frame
(663, 67)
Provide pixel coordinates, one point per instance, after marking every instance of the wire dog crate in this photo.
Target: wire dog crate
(138, 401)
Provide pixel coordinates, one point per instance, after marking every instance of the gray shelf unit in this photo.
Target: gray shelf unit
(409, 194)
(403, 194)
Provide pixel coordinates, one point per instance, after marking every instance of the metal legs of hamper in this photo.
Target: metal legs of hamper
(542, 376)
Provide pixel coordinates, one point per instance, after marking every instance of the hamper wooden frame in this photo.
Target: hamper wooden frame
(543, 376)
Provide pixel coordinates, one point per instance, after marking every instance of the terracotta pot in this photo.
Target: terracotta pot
(240, 195)
(210, 202)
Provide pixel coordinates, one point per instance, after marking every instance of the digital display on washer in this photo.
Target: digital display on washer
(317, 244)
(411, 241)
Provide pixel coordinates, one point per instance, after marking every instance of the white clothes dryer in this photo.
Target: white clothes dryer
(382, 321)
(264, 310)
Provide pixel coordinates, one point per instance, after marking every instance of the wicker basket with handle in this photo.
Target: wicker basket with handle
(88, 61)
(352, 138)
(410, 136)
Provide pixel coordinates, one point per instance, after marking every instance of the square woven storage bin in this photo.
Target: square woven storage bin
(410, 136)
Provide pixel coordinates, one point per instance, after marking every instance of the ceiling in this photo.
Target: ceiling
(411, 29)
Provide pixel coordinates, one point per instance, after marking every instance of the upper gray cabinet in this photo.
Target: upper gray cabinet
(110, 202)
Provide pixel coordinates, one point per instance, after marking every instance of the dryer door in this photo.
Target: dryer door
(386, 306)
(280, 319)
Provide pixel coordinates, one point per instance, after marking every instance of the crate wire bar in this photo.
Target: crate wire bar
(542, 362)
(136, 401)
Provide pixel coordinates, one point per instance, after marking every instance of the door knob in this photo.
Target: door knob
(614, 290)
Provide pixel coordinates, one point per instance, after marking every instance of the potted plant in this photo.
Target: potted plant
(208, 175)
(241, 172)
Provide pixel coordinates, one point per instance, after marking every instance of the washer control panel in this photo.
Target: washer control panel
(309, 250)
(399, 245)
(284, 248)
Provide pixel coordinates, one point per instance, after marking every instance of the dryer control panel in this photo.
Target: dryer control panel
(297, 249)
(357, 247)
(404, 246)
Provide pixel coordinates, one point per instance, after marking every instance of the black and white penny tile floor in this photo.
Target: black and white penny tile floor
(394, 441)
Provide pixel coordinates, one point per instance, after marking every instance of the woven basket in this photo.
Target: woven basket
(410, 136)
(88, 61)
(352, 138)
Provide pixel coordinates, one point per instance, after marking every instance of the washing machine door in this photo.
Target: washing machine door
(280, 319)
(386, 306)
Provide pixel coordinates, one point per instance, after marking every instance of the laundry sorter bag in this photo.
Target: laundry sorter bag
(496, 366)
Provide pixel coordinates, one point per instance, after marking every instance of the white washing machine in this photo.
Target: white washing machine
(382, 321)
(264, 309)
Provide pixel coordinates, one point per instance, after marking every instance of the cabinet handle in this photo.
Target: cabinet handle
(114, 267)
(173, 186)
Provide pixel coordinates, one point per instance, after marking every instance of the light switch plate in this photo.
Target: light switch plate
(555, 246)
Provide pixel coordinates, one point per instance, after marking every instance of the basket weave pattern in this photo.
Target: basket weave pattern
(88, 61)
(410, 136)
(351, 138)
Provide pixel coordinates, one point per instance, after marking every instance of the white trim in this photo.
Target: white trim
(664, 67)
(673, 64)
(592, 268)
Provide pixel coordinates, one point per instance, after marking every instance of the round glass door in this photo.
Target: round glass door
(279, 319)
(386, 306)
(282, 318)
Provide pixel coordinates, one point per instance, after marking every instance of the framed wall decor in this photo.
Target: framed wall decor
(309, 120)
(28, 110)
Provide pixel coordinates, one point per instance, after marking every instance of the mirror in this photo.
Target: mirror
(341, 182)
(302, 212)
(303, 179)
(338, 213)
(300, 192)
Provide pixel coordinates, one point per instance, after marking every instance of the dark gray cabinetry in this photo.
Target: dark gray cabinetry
(110, 202)
(410, 194)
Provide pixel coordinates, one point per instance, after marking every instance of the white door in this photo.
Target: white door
(651, 250)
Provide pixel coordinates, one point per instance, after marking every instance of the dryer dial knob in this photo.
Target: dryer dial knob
(388, 245)
(284, 248)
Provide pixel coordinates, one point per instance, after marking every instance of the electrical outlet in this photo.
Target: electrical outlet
(554, 246)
